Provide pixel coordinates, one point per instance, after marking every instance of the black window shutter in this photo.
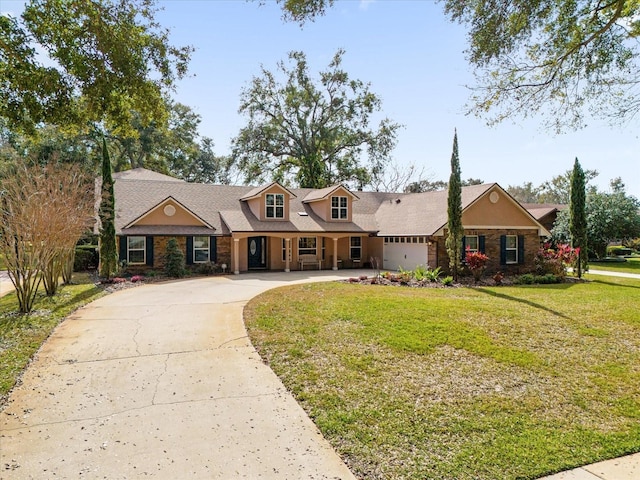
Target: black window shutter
(464, 248)
(189, 250)
(481, 243)
(520, 249)
(503, 249)
(123, 249)
(149, 250)
(213, 250)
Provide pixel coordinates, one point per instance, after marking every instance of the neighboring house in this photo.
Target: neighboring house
(276, 228)
(545, 213)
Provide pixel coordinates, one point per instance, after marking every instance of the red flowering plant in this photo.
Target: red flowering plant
(476, 262)
(555, 260)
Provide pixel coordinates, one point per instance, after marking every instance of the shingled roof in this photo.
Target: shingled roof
(222, 208)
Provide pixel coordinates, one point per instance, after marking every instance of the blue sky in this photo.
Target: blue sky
(414, 59)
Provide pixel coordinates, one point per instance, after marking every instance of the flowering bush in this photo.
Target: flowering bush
(476, 261)
(119, 280)
(137, 278)
(555, 260)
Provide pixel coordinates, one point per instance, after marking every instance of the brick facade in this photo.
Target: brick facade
(492, 250)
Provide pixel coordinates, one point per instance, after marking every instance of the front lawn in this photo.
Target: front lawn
(460, 383)
(21, 335)
(632, 265)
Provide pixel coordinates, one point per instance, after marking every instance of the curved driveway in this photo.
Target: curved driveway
(161, 381)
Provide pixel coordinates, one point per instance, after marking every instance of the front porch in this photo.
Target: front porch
(296, 252)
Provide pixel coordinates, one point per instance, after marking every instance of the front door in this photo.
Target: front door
(257, 252)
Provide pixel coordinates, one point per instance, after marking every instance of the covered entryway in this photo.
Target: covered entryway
(405, 252)
(257, 255)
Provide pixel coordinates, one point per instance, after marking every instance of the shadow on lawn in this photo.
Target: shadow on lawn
(526, 302)
(612, 284)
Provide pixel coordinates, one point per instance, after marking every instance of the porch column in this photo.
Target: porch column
(287, 250)
(335, 254)
(236, 256)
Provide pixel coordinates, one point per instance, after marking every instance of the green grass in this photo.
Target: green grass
(460, 383)
(21, 335)
(632, 265)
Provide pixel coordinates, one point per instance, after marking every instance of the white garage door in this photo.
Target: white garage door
(407, 255)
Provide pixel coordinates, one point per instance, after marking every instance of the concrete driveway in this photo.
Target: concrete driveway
(161, 381)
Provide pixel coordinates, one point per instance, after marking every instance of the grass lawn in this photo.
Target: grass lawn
(460, 383)
(632, 265)
(22, 335)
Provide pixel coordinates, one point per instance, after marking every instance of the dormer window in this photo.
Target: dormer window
(275, 205)
(339, 208)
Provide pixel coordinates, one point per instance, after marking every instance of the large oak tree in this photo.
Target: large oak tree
(106, 60)
(312, 134)
(559, 58)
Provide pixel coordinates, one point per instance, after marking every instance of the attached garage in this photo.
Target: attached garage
(405, 252)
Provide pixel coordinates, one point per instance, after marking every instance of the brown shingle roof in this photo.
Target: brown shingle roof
(421, 213)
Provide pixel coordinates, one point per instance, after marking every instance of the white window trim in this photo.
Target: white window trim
(340, 208)
(468, 248)
(306, 248)
(351, 247)
(143, 249)
(275, 206)
(511, 249)
(208, 249)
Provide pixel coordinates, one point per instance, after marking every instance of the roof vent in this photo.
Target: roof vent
(398, 200)
(303, 214)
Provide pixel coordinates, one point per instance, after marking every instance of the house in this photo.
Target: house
(545, 213)
(272, 227)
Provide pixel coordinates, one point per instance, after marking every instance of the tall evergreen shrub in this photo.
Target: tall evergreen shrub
(455, 231)
(108, 247)
(578, 216)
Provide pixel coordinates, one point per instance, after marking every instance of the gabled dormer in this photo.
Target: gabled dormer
(169, 212)
(269, 203)
(332, 204)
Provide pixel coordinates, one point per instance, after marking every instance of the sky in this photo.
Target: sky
(414, 59)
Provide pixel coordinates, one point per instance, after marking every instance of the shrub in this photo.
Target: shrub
(531, 279)
(448, 280)
(86, 258)
(208, 268)
(498, 277)
(137, 278)
(555, 260)
(476, 262)
(526, 279)
(420, 272)
(174, 265)
(432, 275)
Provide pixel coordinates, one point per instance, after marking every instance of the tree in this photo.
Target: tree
(110, 59)
(558, 189)
(525, 193)
(552, 57)
(44, 211)
(107, 214)
(396, 178)
(311, 135)
(433, 186)
(578, 217)
(303, 10)
(610, 217)
(455, 230)
(546, 56)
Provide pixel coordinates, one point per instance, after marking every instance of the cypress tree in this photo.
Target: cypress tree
(454, 213)
(578, 216)
(108, 248)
